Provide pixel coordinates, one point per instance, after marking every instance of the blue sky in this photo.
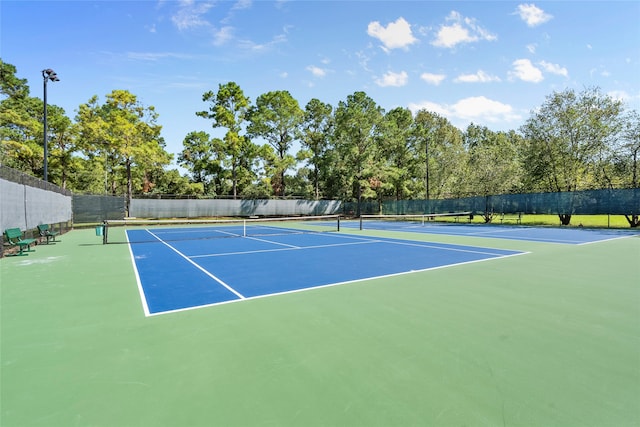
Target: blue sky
(490, 63)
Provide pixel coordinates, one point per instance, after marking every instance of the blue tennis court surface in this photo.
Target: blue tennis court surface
(182, 274)
(573, 236)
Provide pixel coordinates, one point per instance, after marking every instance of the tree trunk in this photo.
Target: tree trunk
(488, 212)
(634, 220)
(565, 219)
(277, 185)
(316, 181)
(234, 182)
(359, 195)
(426, 177)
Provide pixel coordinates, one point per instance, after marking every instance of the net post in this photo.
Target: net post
(244, 228)
(104, 232)
(338, 223)
(360, 222)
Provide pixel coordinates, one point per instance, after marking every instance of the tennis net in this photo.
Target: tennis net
(382, 222)
(141, 231)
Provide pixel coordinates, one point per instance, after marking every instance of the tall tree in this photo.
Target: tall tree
(228, 108)
(627, 151)
(493, 160)
(21, 142)
(276, 118)
(127, 133)
(626, 158)
(316, 129)
(398, 152)
(440, 154)
(93, 143)
(566, 135)
(171, 182)
(63, 146)
(201, 157)
(357, 128)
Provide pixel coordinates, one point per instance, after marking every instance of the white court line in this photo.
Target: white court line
(284, 249)
(488, 233)
(607, 240)
(238, 294)
(444, 248)
(294, 291)
(547, 240)
(274, 243)
(143, 297)
(361, 240)
(418, 243)
(200, 230)
(495, 230)
(516, 237)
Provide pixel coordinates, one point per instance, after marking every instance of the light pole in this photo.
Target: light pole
(47, 74)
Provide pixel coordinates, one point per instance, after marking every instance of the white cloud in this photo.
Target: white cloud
(479, 77)
(317, 71)
(396, 35)
(532, 48)
(482, 108)
(441, 110)
(620, 95)
(477, 109)
(262, 47)
(601, 71)
(393, 79)
(632, 100)
(554, 68)
(450, 36)
(190, 14)
(363, 60)
(242, 4)
(222, 36)
(532, 15)
(524, 70)
(156, 56)
(461, 30)
(433, 79)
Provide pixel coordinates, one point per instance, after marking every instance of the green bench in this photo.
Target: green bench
(47, 233)
(13, 238)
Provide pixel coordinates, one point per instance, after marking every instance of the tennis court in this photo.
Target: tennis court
(421, 224)
(476, 335)
(188, 267)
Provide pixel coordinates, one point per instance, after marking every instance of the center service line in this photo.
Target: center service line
(238, 294)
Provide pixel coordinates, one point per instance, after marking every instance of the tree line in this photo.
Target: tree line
(352, 151)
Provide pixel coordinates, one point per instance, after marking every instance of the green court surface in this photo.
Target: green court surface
(549, 338)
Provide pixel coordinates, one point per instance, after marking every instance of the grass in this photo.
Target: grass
(595, 221)
(592, 221)
(550, 338)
